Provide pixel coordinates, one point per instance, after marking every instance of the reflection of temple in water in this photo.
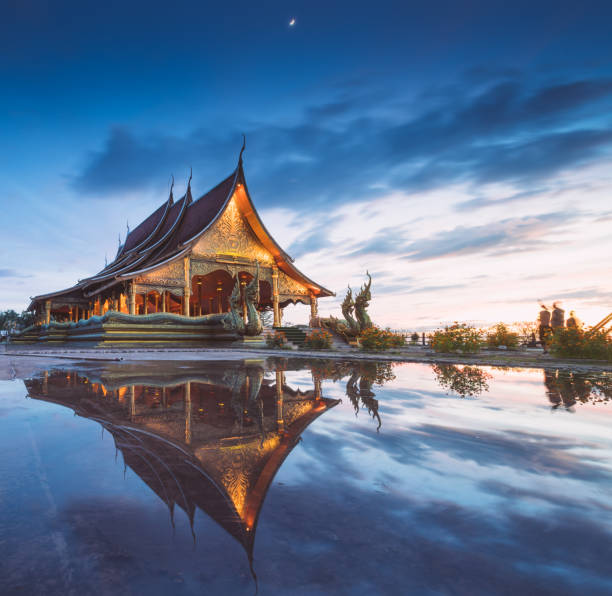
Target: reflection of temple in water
(211, 439)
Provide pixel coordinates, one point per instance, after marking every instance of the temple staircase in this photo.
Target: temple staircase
(294, 335)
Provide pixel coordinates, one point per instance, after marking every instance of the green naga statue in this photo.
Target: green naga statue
(233, 319)
(351, 326)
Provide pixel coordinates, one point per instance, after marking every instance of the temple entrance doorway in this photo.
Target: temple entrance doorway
(210, 293)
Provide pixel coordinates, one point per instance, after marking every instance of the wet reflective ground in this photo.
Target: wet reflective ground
(295, 477)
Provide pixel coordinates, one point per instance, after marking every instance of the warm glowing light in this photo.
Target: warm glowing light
(291, 22)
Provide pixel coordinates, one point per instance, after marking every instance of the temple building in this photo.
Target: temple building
(186, 258)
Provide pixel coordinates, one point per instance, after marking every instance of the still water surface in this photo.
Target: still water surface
(294, 477)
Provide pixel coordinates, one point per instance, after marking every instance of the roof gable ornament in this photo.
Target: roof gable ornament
(242, 149)
(171, 196)
(188, 197)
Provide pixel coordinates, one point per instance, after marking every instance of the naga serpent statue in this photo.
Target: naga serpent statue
(350, 327)
(361, 304)
(251, 297)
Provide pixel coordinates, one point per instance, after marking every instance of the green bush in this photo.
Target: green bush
(276, 340)
(572, 342)
(375, 339)
(318, 339)
(457, 338)
(500, 335)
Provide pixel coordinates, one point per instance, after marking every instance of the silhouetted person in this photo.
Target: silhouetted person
(544, 329)
(573, 321)
(558, 317)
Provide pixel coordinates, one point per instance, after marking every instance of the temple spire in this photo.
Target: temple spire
(242, 149)
(171, 197)
(188, 196)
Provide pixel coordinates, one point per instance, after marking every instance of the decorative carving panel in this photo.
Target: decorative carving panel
(231, 235)
(288, 286)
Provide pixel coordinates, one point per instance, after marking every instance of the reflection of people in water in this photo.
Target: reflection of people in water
(569, 388)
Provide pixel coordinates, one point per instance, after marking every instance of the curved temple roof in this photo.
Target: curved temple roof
(171, 231)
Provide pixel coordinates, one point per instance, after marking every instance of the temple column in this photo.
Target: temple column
(188, 413)
(163, 300)
(164, 398)
(219, 298)
(186, 291)
(47, 312)
(132, 298)
(76, 314)
(314, 312)
(280, 423)
(156, 302)
(132, 400)
(275, 299)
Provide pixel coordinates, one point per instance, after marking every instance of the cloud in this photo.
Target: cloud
(361, 145)
(513, 234)
(12, 273)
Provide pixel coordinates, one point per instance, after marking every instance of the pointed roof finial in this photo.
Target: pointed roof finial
(127, 227)
(171, 197)
(119, 239)
(188, 197)
(106, 259)
(242, 149)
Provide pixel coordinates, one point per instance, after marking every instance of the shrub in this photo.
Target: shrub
(414, 338)
(276, 340)
(459, 337)
(572, 342)
(318, 339)
(376, 340)
(500, 335)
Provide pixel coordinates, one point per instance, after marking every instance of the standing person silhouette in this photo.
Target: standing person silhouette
(573, 321)
(558, 317)
(544, 329)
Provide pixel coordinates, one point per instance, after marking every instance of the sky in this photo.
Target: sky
(458, 151)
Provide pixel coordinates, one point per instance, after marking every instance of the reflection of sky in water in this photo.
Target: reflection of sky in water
(490, 494)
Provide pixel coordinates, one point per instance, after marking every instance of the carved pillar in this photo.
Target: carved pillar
(132, 298)
(280, 423)
(163, 300)
(188, 413)
(76, 314)
(275, 299)
(186, 288)
(132, 400)
(317, 387)
(314, 312)
(47, 312)
(219, 297)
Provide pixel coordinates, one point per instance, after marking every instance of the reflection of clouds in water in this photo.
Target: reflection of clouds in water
(434, 547)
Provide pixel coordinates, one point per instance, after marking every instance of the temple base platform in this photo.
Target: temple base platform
(118, 329)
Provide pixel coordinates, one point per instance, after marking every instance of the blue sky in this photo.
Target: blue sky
(460, 151)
